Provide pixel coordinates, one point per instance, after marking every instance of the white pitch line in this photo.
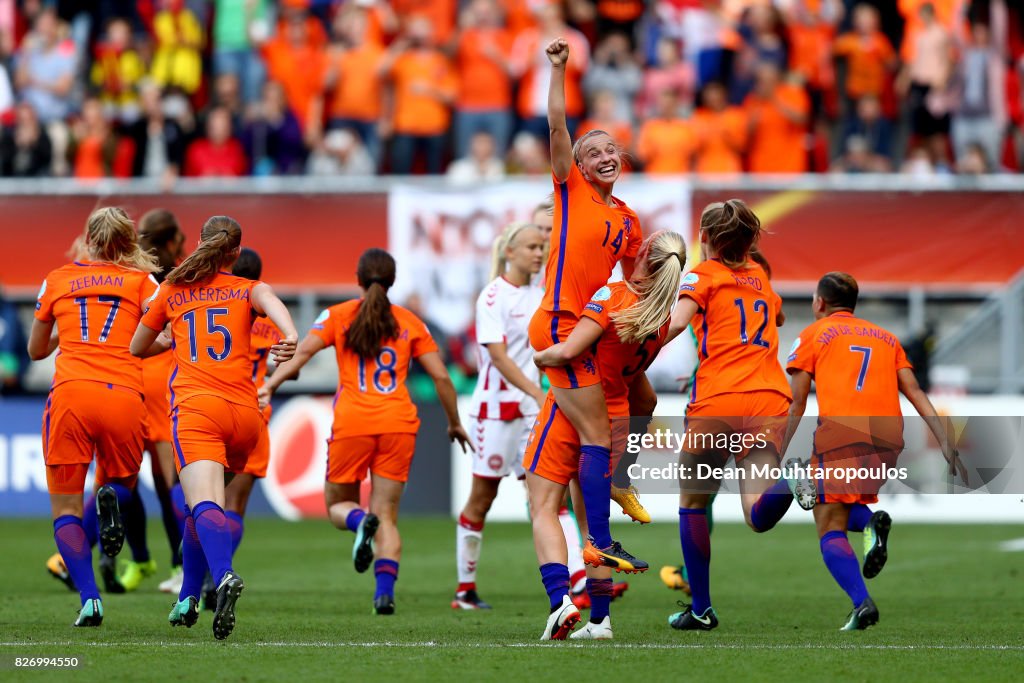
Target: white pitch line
(1014, 546)
(500, 646)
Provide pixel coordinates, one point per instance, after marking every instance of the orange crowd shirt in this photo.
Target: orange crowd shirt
(416, 75)
(300, 71)
(737, 335)
(867, 58)
(484, 83)
(211, 324)
(372, 396)
(530, 60)
(667, 145)
(97, 307)
(358, 90)
(777, 144)
(588, 239)
(721, 138)
(854, 364)
(619, 362)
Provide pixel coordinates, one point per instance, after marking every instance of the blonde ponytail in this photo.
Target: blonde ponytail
(658, 289)
(220, 238)
(110, 237)
(501, 243)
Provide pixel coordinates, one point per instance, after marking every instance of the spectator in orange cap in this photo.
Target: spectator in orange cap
(778, 114)
(424, 87)
(484, 101)
(353, 80)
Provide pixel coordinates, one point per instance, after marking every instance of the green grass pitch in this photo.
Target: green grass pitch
(951, 602)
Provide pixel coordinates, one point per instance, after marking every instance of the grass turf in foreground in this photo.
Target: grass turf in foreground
(951, 607)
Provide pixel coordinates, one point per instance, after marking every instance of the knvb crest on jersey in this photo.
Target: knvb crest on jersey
(627, 224)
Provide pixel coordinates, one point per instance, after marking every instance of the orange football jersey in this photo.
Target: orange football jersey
(619, 362)
(372, 397)
(588, 239)
(854, 364)
(264, 335)
(97, 307)
(737, 337)
(211, 324)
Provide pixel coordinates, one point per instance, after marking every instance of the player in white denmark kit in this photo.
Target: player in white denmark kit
(508, 394)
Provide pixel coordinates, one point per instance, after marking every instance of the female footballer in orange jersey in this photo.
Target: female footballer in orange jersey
(160, 235)
(593, 231)
(375, 421)
(628, 323)
(215, 418)
(95, 304)
(264, 335)
(740, 388)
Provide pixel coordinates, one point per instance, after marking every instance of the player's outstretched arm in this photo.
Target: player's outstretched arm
(265, 302)
(909, 387)
(561, 143)
(682, 314)
(512, 373)
(309, 347)
(800, 385)
(583, 336)
(41, 340)
(434, 366)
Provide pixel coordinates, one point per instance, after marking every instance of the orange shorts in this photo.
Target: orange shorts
(842, 461)
(547, 329)
(553, 449)
(259, 459)
(155, 377)
(78, 422)
(386, 455)
(210, 428)
(735, 423)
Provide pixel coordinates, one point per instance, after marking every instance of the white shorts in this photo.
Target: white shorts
(500, 445)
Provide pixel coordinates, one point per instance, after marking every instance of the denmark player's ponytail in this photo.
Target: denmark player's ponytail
(375, 323)
(732, 230)
(658, 288)
(110, 237)
(218, 247)
(501, 243)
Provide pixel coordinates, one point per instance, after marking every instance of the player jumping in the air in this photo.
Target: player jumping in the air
(859, 370)
(592, 232)
(627, 322)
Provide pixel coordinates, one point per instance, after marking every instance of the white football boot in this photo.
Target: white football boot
(561, 621)
(592, 631)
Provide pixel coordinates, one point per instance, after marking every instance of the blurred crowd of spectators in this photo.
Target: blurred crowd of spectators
(164, 88)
